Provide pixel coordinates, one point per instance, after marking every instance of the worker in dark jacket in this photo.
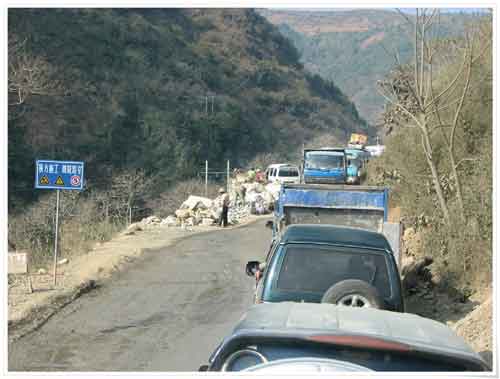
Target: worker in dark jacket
(224, 198)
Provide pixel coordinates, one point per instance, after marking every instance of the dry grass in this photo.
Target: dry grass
(82, 222)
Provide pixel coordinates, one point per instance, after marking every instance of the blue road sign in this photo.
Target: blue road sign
(59, 175)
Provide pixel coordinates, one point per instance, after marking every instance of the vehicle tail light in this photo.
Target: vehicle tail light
(361, 342)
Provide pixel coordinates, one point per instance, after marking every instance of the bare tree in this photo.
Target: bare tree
(28, 74)
(128, 188)
(415, 102)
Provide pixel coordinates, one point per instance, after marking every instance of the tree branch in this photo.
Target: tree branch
(397, 104)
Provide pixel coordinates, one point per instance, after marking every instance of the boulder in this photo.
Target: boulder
(169, 221)
(132, 228)
(150, 220)
(183, 213)
(207, 222)
(194, 202)
(416, 272)
(274, 190)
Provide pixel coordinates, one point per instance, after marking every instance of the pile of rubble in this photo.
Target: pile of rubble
(259, 198)
(248, 195)
(197, 210)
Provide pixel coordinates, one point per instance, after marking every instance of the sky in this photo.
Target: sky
(406, 10)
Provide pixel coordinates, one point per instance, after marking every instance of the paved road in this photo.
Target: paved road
(167, 313)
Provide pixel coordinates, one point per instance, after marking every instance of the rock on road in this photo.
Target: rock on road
(168, 312)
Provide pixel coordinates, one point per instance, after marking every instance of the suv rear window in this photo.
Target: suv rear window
(288, 172)
(310, 268)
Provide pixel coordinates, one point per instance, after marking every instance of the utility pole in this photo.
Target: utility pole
(206, 178)
(213, 104)
(228, 181)
(206, 104)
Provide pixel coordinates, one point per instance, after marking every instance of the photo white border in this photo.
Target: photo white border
(282, 4)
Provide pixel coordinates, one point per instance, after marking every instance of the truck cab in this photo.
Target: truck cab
(356, 159)
(324, 166)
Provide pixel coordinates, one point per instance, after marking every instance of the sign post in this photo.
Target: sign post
(58, 175)
(56, 242)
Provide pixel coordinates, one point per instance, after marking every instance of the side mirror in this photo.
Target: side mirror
(252, 268)
(203, 368)
(269, 224)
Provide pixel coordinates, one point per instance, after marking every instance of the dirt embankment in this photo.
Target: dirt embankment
(470, 317)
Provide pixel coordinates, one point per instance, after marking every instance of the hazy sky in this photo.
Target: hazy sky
(407, 10)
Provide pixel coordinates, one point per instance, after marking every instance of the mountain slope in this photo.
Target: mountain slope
(355, 48)
(160, 90)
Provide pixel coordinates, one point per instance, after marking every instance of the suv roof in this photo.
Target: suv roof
(306, 319)
(327, 149)
(335, 235)
(278, 165)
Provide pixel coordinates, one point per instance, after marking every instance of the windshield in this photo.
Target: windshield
(353, 161)
(288, 172)
(324, 161)
(315, 268)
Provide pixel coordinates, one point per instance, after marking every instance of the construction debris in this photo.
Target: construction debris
(247, 196)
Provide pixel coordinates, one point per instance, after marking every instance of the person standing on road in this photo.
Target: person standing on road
(251, 175)
(259, 176)
(224, 198)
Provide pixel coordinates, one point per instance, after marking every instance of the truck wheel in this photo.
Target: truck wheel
(353, 293)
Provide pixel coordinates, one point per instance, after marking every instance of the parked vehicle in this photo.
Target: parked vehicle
(303, 337)
(329, 264)
(327, 165)
(358, 140)
(375, 150)
(283, 173)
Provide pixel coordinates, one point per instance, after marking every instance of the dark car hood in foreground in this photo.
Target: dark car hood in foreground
(302, 320)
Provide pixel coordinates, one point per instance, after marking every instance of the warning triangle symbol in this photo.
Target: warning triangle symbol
(44, 180)
(59, 181)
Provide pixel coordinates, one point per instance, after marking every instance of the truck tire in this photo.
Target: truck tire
(353, 293)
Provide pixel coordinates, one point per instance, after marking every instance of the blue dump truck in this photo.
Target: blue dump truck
(325, 166)
(363, 207)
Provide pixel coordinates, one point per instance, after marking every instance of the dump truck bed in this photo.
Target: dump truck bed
(364, 207)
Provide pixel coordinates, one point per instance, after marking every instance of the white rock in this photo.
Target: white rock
(194, 202)
(63, 261)
(207, 221)
(169, 221)
(132, 228)
(183, 213)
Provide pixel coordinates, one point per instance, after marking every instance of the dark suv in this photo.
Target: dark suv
(329, 264)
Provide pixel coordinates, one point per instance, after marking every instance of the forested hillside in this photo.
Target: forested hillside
(356, 48)
(158, 91)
